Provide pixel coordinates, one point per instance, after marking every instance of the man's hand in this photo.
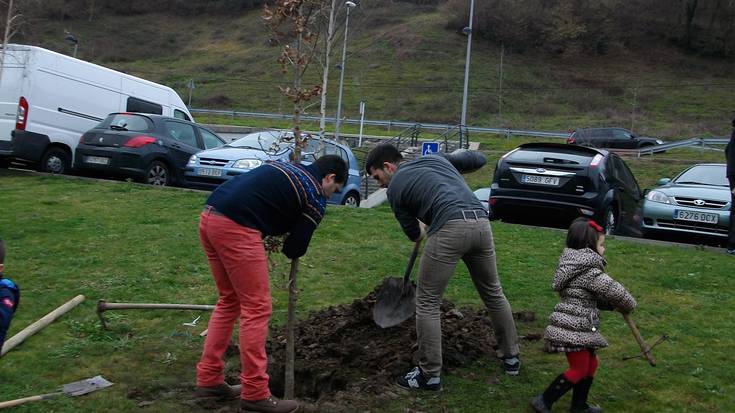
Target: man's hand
(423, 228)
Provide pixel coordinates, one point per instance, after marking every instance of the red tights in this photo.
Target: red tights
(582, 364)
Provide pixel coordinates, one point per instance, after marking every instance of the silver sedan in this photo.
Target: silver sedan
(696, 202)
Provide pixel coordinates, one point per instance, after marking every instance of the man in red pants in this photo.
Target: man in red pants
(273, 199)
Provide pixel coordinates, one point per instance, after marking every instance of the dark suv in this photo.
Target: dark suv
(617, 138)
(557, 181)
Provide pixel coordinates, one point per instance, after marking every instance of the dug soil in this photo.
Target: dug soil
(344, 362)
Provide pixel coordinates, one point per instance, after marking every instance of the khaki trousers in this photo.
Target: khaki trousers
(472, 241)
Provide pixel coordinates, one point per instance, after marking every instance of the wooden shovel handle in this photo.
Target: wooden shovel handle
(644, 347)
(17, 402)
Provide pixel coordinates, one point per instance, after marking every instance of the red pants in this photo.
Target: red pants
(240, 269)
(582, 364)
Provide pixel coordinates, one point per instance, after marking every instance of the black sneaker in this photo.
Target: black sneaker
(512, 365)
(417, 380)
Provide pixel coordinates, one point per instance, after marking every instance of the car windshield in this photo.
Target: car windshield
(704, 175)
(264, 141)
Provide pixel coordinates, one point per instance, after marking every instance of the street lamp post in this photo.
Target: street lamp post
(350, 5)
(73, 40)
(468, 32)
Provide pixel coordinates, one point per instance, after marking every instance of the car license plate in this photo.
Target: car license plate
(540, 179)
(694, 216)
(99, 160)
(209, 172)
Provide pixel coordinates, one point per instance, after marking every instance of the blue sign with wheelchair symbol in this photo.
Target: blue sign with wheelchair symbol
(429, 148)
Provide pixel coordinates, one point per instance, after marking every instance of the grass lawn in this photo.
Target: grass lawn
(125, 242)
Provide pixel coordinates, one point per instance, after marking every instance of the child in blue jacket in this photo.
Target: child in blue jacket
(9, 297)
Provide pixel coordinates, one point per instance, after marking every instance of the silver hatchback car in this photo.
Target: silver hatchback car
(696, 202)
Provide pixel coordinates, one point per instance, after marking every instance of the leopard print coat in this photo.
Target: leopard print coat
(583, 286)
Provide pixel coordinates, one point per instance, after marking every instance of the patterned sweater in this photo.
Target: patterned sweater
(583, 286)
(275, 198)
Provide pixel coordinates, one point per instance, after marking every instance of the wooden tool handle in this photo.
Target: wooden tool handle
(644, 347)
(40, 324)
(17, 402)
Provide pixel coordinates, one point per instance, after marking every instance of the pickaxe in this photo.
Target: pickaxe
(645, 348)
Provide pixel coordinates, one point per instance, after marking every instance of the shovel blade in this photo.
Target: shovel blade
(392, 305)
(85, 386)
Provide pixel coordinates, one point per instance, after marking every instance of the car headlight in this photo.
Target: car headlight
(247, 163)
(658, 196)
(659, 141)
(193, 160)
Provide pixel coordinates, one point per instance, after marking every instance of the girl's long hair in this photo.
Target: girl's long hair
(583, 233)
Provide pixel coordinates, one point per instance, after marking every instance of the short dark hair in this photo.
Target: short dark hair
(332, 164)
(2, 251)
(384, 152)
(582, 234)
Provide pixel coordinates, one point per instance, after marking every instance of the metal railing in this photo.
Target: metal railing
(650, 150)
(388, 123)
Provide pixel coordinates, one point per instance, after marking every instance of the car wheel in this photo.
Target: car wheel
(611, 221)
(352, 200)
(158, 174)
(55, 161)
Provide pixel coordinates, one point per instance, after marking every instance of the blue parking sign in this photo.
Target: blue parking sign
(429, 147)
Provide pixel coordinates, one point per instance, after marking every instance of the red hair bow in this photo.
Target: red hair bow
(595, 225)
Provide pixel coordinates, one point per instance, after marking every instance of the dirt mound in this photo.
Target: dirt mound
(342, 356)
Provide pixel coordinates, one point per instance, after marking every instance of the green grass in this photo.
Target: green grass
(125, 242)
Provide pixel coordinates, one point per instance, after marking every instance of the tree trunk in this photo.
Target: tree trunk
(288, 392)
(691, 9)
(6, 37)
(325, 77)
(298, 105)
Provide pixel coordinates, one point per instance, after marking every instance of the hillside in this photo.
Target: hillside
(407, 66)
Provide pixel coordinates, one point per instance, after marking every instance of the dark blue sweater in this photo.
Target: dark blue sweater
(275, 198)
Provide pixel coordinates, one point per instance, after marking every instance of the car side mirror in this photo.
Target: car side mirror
(663, 181)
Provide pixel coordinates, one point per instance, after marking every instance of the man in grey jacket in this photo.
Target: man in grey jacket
(431, 191)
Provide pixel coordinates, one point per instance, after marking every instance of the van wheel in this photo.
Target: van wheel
(158, 174)
(611, 221)
(352, 200)
(55, 161)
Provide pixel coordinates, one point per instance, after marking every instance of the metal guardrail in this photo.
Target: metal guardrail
(650, 150)
(386, 123)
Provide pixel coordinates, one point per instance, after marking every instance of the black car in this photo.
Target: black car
(617, 138)
(556, 181)
(153, 149)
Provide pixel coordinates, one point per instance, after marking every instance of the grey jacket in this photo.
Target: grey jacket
(583, 286)
(432, 190)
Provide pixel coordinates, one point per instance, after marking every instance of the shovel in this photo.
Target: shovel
(396, 300)
(77, 388)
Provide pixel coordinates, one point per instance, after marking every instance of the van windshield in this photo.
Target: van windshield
(127, 122)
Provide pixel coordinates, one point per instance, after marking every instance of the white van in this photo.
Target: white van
(48, 100)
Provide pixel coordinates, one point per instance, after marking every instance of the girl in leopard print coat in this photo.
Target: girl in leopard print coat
(583, 288)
